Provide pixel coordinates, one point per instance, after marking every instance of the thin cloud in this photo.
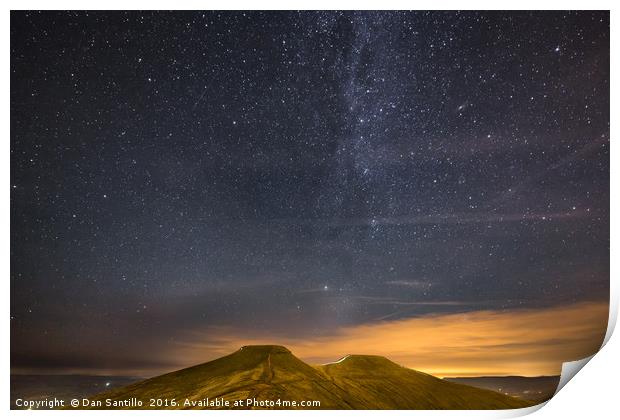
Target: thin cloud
(526, 342)
(414, 284)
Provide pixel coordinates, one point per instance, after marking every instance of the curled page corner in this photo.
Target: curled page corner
(570, 369)
(613, 314)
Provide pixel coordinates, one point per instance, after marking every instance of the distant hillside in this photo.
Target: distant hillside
(272, 372)
(537, 389)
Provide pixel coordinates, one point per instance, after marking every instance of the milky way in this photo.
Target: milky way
(298, 172)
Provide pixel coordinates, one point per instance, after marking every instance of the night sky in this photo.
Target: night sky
(180, 176)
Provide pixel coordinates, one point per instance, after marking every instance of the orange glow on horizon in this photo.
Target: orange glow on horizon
(528, 342)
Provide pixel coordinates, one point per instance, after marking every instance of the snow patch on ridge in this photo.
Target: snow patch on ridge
(337, 361)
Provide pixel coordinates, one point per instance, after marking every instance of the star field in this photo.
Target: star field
(296, 172)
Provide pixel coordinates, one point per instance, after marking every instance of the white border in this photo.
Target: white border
(595, 396)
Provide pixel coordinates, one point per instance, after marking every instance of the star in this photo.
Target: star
(219, 177)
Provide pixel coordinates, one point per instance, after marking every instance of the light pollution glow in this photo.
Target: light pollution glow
(529, 342)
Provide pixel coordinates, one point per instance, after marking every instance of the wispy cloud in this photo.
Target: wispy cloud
(413, 284)
(456, 218)
(386, 300)
(514, 342)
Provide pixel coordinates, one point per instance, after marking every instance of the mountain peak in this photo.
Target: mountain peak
(363, 360)
(271, 372)
(264, 348)
(372, 357)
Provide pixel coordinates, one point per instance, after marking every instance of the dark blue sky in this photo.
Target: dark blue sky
(298, 172)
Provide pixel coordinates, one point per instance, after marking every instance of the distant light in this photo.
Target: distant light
(107, 384)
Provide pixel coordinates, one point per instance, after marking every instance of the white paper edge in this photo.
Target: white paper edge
(570, 369)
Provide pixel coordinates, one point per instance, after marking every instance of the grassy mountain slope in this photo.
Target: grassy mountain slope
(377, 382)
(272, 372)
(261, 372)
